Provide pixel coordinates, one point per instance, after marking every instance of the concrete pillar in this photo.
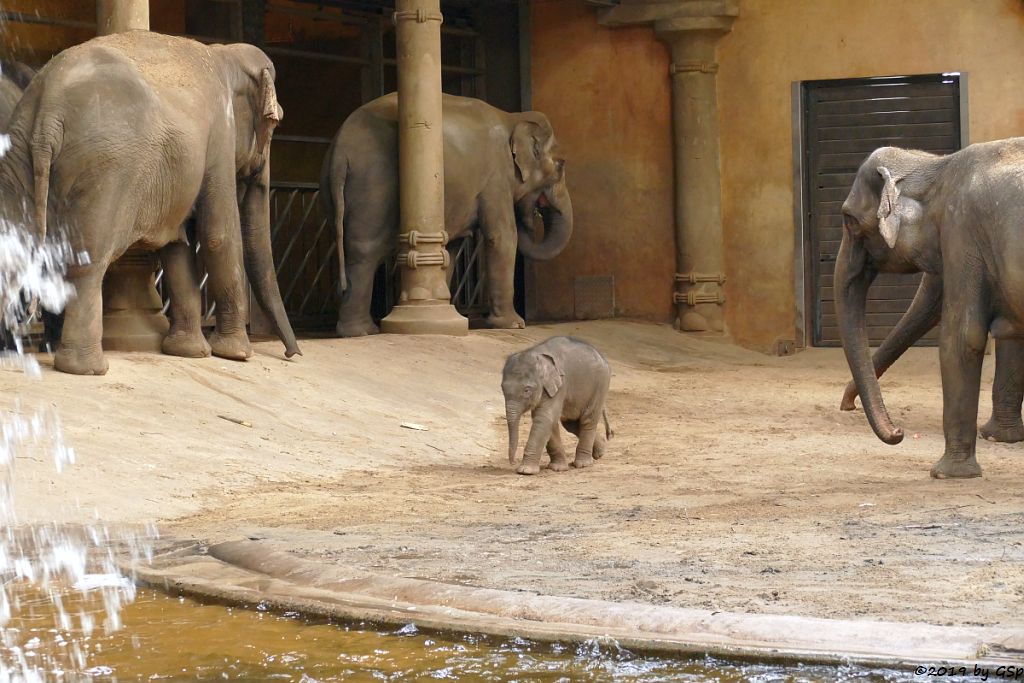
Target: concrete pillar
(691, 30)
(132, 318)
(424, 306)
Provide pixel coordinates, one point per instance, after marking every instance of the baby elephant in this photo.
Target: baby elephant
(560, 380)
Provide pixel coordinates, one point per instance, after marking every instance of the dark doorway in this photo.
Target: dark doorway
(843, 122)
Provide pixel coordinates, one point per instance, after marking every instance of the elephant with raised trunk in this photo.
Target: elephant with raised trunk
(499, 169)
(120, 140)
(960, 220)
(561, 381)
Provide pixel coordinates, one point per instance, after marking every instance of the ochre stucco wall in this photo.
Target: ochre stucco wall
(777, 42)
(607, 95)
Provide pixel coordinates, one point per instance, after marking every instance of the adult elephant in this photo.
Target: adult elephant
(959, 219)
(119, 140)
(924, 313)
(499, 168)
(14, 78)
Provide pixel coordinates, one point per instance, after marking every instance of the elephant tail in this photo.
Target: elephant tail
(332, 181)
(608, 432)
(42, 159)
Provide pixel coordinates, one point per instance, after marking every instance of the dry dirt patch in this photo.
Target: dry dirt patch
(733, 482)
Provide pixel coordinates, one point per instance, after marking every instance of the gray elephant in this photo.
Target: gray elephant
(14, 78)
(959, 219)
(560, 381)
(924, 313)
(499, 168)
(123, 138)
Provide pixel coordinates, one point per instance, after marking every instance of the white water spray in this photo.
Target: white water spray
(65, 574)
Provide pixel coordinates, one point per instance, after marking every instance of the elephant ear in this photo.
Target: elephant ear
(551, 374)
(269, 113)
(530, 141)
(889, 217)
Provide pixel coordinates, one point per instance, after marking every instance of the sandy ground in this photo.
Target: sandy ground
(733, 482)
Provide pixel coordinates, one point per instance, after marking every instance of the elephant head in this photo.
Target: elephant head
(526, 379)
(540, 174)
(886, 228)
(254, 112)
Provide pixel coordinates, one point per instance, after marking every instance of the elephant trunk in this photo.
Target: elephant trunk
(259, 259)
(853, 276)
(512, 415)
(556, 209)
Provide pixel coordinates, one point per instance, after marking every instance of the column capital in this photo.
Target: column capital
(673, 19)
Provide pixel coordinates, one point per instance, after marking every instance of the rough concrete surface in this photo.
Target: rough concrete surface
(733, 482)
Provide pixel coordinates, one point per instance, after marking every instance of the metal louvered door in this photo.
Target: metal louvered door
(843, 122)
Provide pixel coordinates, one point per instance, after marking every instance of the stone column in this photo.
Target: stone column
(132, 317)
(691, 29)
(424, 306)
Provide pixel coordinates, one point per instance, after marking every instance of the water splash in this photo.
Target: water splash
(67, 574)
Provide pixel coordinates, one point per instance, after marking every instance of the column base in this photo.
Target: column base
(425, 318)
(134, 331)
(692, 319)
(132, 320)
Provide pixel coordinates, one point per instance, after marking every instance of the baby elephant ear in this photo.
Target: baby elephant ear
(888, 208)
(551, 374)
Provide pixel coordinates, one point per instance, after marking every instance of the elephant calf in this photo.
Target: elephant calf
(560, 380)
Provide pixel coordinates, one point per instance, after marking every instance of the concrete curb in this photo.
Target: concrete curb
(251, 572)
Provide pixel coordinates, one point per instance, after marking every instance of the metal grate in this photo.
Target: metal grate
(844, 121)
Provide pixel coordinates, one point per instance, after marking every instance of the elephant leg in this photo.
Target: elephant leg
(499, 231)
(1007, 394)
(556, 451)
(961, 351)
(220, 234)
(585, 445)
(544, 420)
(53, 324)
(924, 313)
(362, 258)
(81, 343)
(600, 443)
(185, 337)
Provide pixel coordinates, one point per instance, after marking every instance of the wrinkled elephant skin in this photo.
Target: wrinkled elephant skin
(499, 169)
(119, 141)
(960, 220)
(561, 381)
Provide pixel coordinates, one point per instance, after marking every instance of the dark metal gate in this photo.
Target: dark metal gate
(843, 122)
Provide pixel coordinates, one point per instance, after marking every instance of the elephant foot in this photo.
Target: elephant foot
(234, 346)
(1003, 433)
(559, 464)
(186, 344)
(80, 361)
(528, 469)
(848, 397)
(356, 328)
(948, 468)
(506, 322)
(580, 462)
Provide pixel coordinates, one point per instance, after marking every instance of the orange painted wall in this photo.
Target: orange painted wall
(607, 95)
(777, 42)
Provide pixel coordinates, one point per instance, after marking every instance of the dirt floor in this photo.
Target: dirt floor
(733, 481)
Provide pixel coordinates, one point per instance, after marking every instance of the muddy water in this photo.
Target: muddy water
(172, 638)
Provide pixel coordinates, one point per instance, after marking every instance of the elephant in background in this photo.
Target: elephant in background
(14, 78)
(959, 219)
(499, 169)
(122, 139)
(559, 381)
(924, 313)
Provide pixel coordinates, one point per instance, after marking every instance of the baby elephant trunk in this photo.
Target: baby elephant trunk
(512, 415)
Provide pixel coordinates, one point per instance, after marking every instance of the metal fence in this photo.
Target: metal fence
(306, 262)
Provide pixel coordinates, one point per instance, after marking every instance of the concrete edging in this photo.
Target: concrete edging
(248, 573)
